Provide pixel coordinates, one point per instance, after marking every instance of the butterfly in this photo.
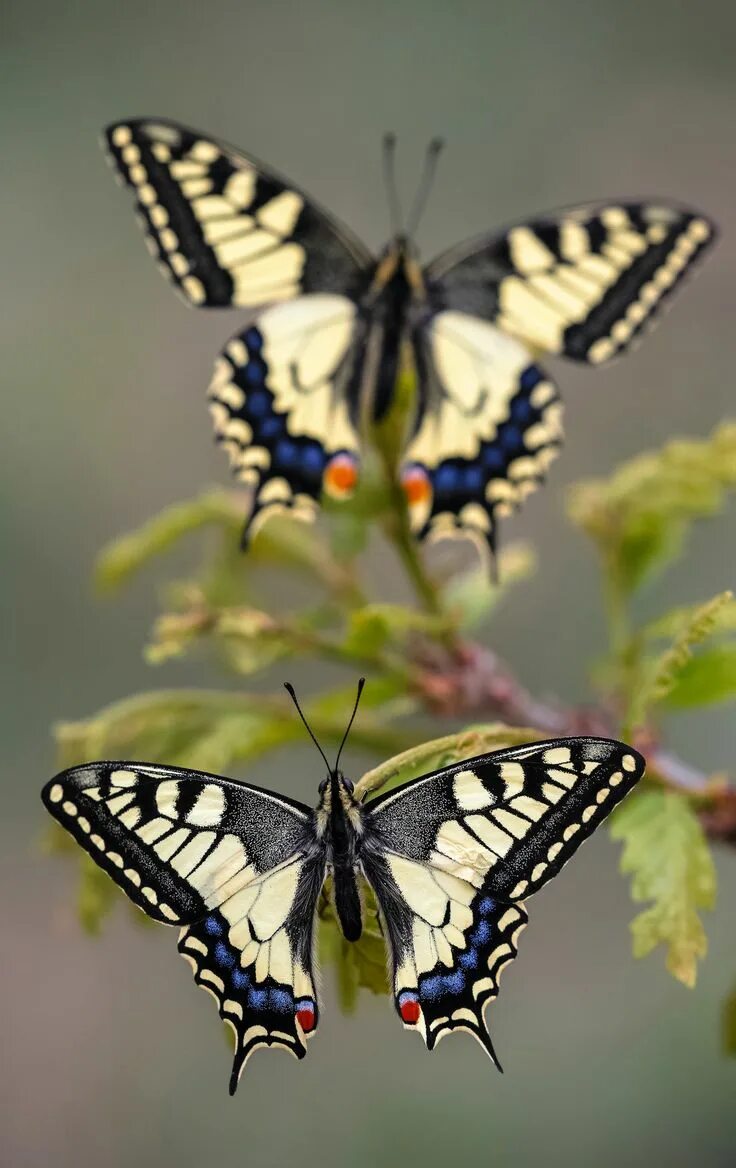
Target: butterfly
(329, 324)
(450, 857)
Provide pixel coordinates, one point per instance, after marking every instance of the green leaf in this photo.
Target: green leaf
(667, 855)
(470, 597)
(640, 516)
(705, 679)
(376, 626)
(126, 555)
(663, 675)
(672, 623)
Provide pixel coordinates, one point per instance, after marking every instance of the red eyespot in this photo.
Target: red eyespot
(341, 475)
(410, 1011)
(416, 485)
(305, 1018)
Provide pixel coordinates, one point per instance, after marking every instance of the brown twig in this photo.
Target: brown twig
(474, 682)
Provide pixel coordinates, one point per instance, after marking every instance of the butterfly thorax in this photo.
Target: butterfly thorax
(338, 824)
(397, 284)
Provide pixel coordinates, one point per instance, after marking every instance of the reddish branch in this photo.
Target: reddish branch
(473, 682)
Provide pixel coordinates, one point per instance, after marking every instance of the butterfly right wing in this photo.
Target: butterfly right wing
(223, 227)
(489, 423)
(236, 866)
(452, 855)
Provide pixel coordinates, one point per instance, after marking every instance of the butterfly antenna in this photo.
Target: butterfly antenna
(290, 690)
(361, 683)
(425, 185)
(389, 181)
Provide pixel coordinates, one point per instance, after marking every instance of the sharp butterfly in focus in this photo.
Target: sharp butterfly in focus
(451, 858)
(330, 324)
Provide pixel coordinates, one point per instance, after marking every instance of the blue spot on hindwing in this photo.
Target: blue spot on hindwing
(494, 460)
(522, 411)
(480, 934)
(224, 955)
(446, 477)
(213, 927)
(280, 1000)
(241, 981)
(253, 340)
(469, 959)
(455, 982)
(255, 372)
(257, 999)
(510, 437)
(258, 403)
(486, 906)
(530, 377)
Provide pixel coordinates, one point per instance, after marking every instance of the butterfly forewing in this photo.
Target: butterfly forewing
(452, 855)
(226, 229)
(582, 282)
(234, 865)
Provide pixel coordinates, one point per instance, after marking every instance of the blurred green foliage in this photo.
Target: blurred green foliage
(637, 520)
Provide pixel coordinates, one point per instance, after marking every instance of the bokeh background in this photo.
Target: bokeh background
(110, 1056)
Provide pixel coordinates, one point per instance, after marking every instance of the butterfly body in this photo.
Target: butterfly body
(330, 323)
(450, 858)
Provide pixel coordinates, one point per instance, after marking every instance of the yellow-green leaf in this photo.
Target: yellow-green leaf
(662, 675)
(667, 856)
(706, 678)
(639, 516)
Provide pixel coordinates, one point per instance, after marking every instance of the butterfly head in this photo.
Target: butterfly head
(336, 789)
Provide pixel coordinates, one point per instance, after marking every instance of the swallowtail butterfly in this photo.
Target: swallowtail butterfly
(451, 858)
(328, 325)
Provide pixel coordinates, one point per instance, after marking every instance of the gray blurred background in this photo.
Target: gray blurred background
(110, 1056)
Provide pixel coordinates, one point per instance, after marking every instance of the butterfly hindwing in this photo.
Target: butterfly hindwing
(452, 855)
(232, 864)
(583, 282)
(225, 229)
(254, 955)
(489, 423)
(284, 404)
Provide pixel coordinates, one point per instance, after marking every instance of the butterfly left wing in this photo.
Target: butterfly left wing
(235, 866)
(285, 404)
(225, 229)
(489, 423)
(451, 857)
(582, 282)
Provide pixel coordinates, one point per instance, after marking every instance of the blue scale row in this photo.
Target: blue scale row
(258, 998)
(437, 985)
(305, 456)
(469, 478)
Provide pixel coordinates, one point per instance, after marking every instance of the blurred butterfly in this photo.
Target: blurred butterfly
(331, 322)
(330, 325)
(450, 857)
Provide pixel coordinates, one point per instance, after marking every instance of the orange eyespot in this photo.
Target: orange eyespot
(341, 475)
(416, 485)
